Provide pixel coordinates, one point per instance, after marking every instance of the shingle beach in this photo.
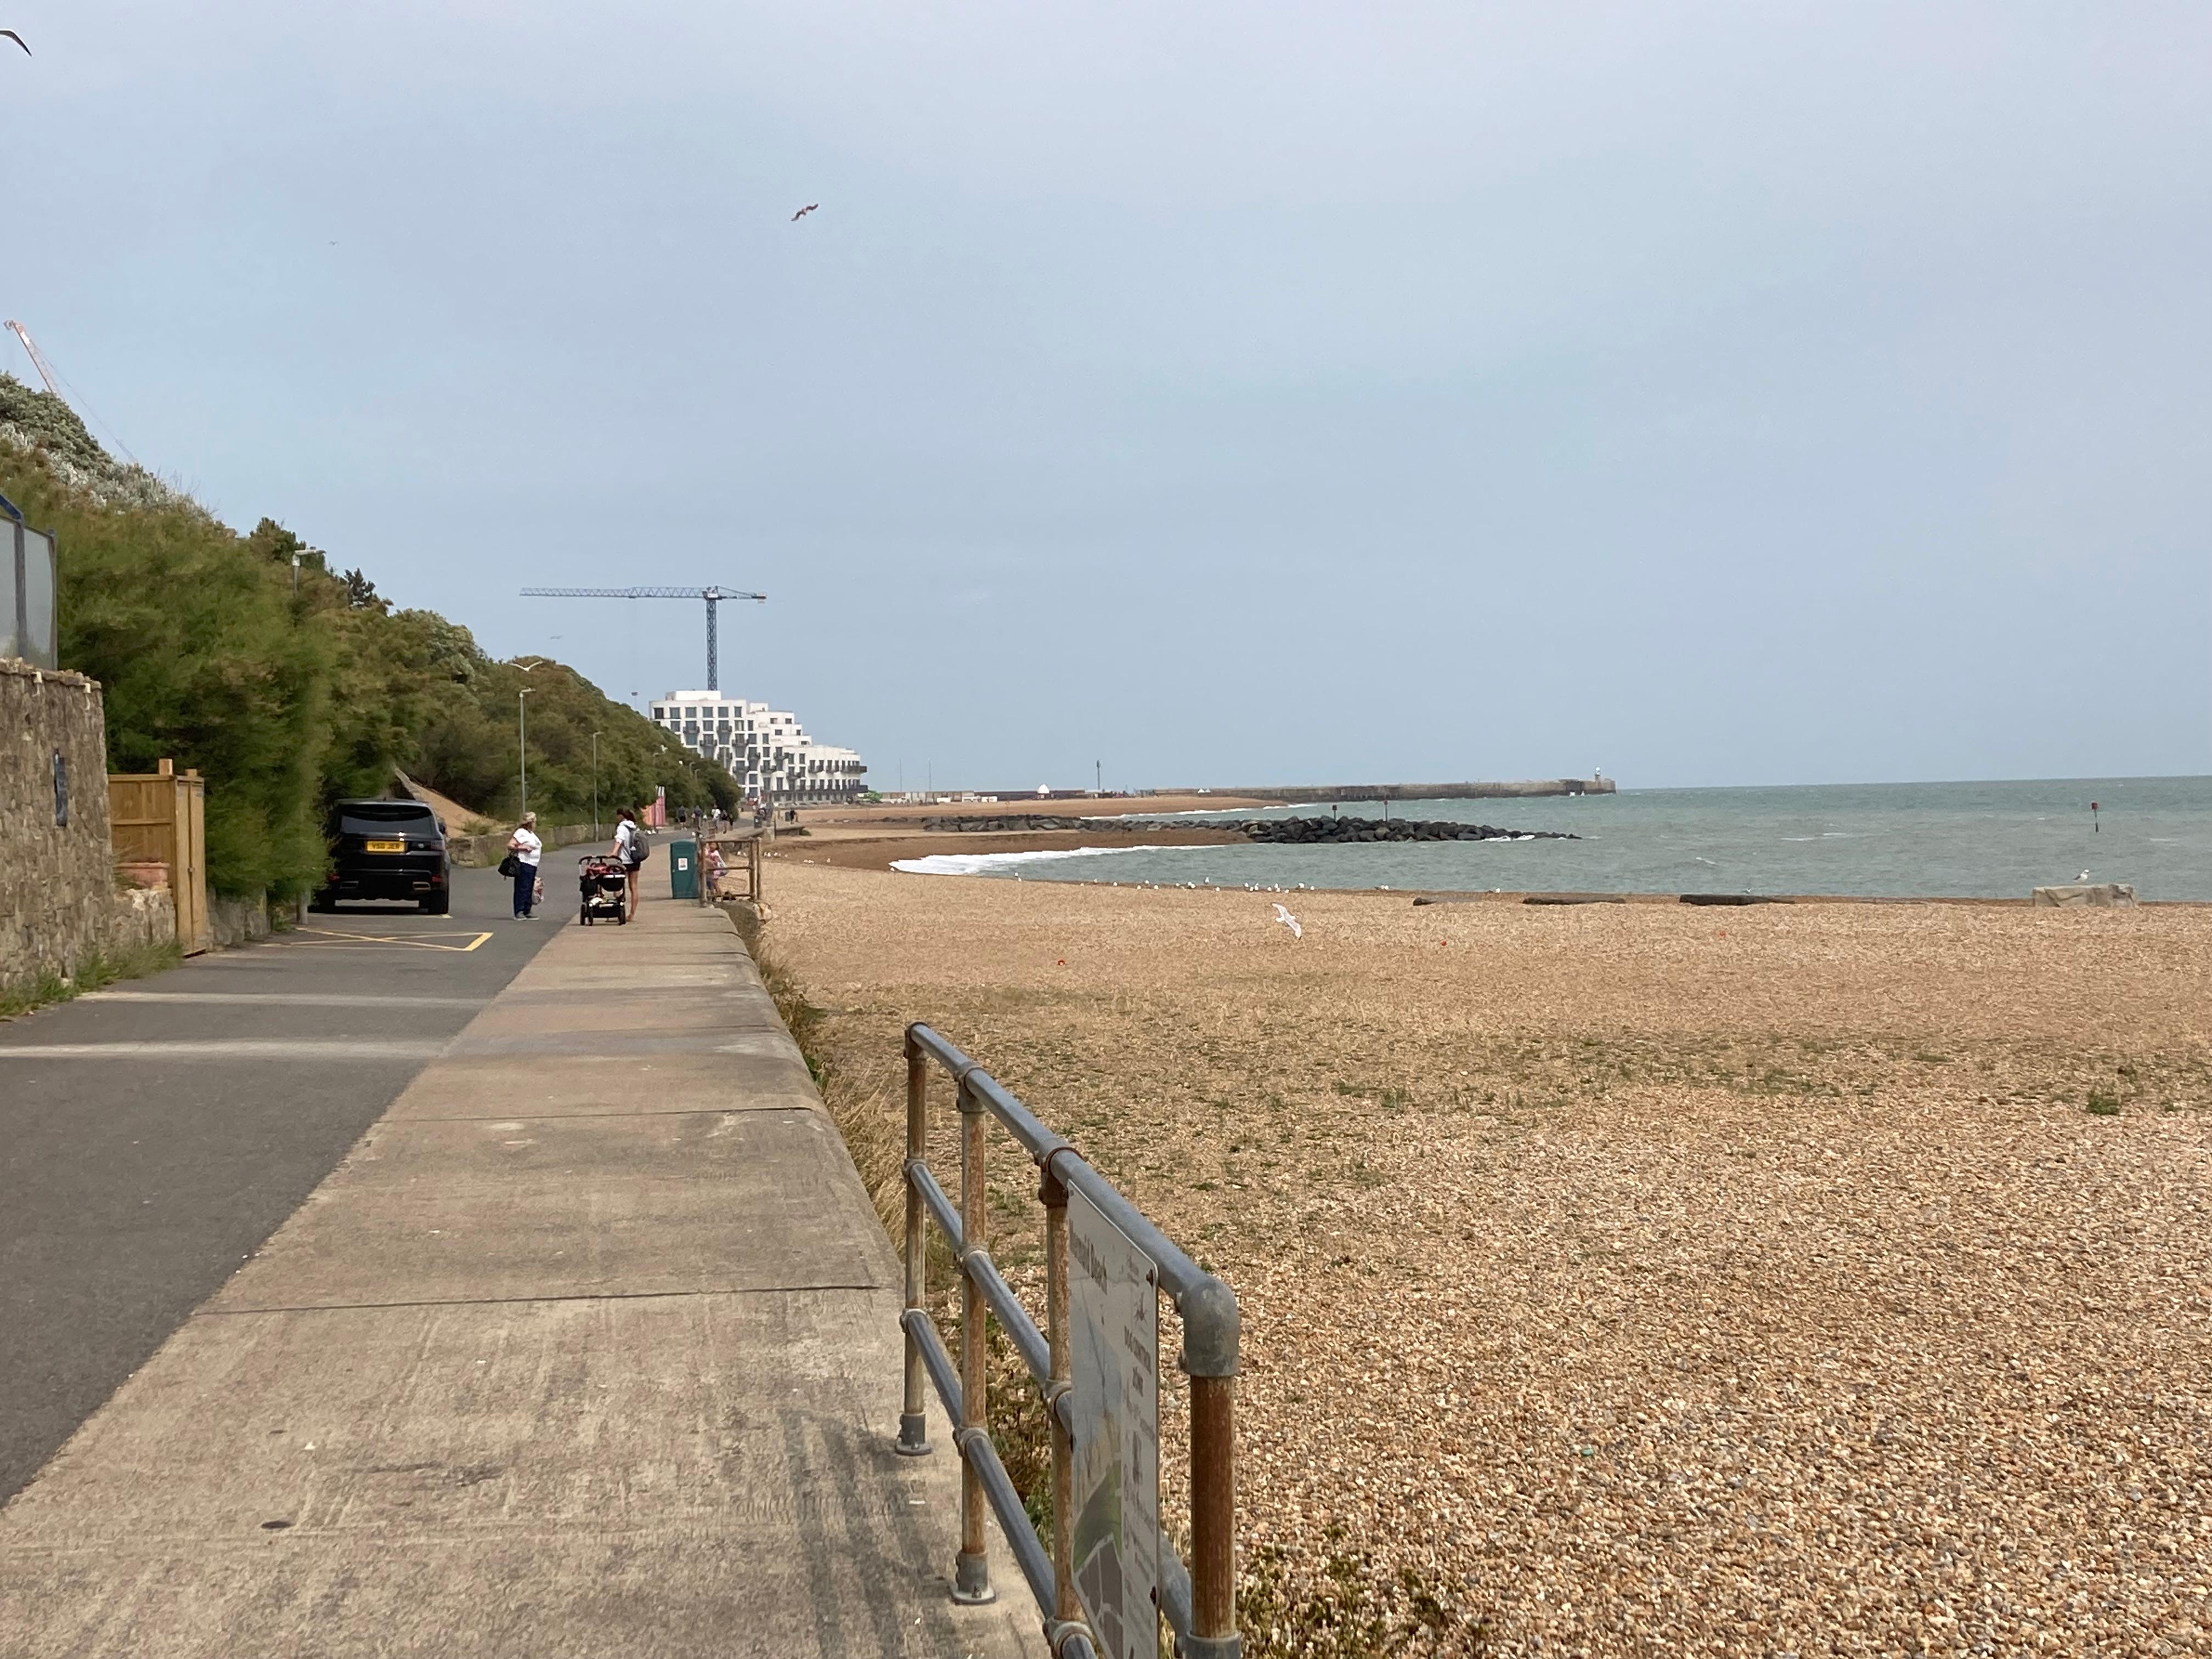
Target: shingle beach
(1810, 1279)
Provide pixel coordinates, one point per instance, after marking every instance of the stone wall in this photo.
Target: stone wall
(232, 922)
(143, 917)
(57, 895)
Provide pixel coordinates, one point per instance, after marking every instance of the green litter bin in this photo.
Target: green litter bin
(684, 869)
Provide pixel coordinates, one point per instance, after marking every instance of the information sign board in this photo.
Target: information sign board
(1114, 1363)
(26, 595)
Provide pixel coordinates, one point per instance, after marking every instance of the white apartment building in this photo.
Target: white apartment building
(765, 749)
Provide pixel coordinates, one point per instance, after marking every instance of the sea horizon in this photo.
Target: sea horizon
(1974, 838)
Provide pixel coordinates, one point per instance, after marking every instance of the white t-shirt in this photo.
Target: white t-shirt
(626, 847)
(526, 847)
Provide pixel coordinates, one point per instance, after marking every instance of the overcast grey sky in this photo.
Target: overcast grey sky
(1715, 393)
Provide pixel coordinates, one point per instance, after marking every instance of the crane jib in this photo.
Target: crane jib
(712, 596)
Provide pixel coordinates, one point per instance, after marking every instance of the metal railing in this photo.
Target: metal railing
(1199, 1601)
(749, 842)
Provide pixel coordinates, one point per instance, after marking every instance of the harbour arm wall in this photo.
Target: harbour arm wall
(1525, 787)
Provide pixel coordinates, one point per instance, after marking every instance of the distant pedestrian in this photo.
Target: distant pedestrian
(630, 847)
(523, 850)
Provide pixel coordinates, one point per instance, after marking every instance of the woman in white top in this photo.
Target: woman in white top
(526, 849)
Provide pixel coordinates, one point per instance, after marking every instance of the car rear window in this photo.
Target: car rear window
(376, 818)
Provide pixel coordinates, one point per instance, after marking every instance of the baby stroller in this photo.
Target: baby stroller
(605, 887)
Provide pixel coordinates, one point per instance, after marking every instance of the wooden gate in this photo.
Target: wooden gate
(160, 818)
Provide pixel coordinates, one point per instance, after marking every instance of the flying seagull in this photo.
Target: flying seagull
(17, 39)
(1289, 921)
(804, 211)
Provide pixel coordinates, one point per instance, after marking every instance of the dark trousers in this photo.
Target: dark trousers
(526, 888)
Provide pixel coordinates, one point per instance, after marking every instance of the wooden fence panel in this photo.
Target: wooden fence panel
(160, 818)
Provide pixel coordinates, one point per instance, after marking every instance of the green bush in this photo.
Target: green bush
(288, 691)
(204, 662)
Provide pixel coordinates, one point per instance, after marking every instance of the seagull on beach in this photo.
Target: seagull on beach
(804, 211)
(1289, 921)
(2084, 875)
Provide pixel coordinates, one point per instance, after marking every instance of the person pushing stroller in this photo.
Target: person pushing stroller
(630, 847)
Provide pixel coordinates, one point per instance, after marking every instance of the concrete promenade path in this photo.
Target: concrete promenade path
(588, 1348)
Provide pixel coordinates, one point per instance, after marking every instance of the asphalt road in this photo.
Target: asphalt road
(152, 1136)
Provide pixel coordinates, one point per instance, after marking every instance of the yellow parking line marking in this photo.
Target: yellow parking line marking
(419, 941)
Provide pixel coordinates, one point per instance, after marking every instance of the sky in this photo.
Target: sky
(1727, 393)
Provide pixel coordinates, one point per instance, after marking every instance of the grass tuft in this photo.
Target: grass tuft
(1343, 1606)
(96, 972)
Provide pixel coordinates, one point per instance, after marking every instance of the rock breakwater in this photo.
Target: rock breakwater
(1313, 832)
(1008, 823)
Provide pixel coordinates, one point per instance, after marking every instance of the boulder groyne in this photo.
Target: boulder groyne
(1321, 832)
(1009, 824)
(1286, 832)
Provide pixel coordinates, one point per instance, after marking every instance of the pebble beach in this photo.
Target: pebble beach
(1808, 1278)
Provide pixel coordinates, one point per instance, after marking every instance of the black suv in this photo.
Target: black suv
(386, 849)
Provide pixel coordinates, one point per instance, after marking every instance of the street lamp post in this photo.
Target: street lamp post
(595, 786)
(522, 730)
(522, 746)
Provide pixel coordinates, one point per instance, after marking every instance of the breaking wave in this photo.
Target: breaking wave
(977, 864)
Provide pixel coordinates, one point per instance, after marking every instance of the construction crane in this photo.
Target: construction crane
(54, 384)
(714, 595)
(38, 357)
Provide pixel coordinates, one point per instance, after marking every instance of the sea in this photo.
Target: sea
(1873, 840)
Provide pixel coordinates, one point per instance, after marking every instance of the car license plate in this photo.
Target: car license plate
(387, 847)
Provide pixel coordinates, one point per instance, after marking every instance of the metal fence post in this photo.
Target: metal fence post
(971, 1578)
(913, 1419)
(1054, 1192)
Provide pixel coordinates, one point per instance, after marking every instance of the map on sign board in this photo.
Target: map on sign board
(1114, 1363)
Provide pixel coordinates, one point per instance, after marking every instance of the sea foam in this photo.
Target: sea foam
(976, 864)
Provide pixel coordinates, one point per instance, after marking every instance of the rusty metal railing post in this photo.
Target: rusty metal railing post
(914, 1416)
(971, 1577)
(1211, 1339)
(1212, 1518)
(1054, 1194)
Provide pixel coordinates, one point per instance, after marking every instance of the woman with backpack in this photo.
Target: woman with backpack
(523, 850)
(630, 847)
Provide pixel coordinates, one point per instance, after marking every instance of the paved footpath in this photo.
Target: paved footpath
(589, 1347)
(153, 1136)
